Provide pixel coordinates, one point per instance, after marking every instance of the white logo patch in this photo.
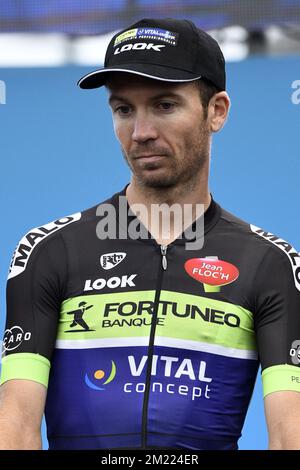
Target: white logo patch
(32, 239)
(14, 337)
(110, 260)
(140, 46)
(288, 249)
(111, 283)
(295, 352)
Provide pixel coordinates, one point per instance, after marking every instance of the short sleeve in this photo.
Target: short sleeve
(277, 319)
(34, 292)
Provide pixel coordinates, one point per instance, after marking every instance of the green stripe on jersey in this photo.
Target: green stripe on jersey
(180, 316)
(27, 366)
(281, 378)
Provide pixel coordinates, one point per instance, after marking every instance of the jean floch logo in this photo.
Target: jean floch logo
(211, 272)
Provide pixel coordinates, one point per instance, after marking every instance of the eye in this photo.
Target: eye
(166, 105)
(122, 109)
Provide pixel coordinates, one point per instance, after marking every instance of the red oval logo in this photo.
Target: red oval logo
(213, 272)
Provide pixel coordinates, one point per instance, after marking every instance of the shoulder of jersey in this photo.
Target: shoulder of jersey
(39, 236)
(271, 242)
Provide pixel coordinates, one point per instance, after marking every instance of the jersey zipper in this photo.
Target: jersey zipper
(162, 267)
(164, 262)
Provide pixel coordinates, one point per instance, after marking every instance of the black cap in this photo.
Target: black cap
(162, 49)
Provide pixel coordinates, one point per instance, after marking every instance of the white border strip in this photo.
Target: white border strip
(101, 343)
(279, 243)
(100, 71)
(54, 226)
(159, 341)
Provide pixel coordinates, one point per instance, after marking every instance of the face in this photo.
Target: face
(161, 128)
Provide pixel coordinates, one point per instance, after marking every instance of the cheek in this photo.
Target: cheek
(194, 132)
(180, 135)
(122, 133)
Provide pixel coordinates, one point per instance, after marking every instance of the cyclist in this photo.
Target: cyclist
(176, 328)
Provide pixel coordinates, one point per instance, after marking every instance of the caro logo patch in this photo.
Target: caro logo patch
(110, 260)
(211, 272)
(14, 337)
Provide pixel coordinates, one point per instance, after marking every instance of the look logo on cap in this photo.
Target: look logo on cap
(162, 49)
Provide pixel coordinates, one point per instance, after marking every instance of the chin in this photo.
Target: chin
(156, 181)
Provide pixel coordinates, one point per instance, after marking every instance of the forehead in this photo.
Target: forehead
(122, 82)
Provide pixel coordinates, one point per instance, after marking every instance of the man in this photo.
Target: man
(176, 332)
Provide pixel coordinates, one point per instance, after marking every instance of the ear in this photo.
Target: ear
(218, 110)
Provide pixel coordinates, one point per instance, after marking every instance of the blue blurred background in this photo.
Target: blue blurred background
(59, 155)
(100, 16)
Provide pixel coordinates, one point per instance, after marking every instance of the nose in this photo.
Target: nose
(144, 128)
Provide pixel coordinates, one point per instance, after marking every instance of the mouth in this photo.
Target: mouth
(149, 158)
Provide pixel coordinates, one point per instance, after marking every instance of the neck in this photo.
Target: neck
(193, 194)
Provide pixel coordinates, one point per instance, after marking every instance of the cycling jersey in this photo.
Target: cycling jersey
(151, 346)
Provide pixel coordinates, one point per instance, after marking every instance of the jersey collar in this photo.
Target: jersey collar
(211, 217)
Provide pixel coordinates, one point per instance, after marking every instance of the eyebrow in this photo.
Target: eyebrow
(114, 97)
(165, 94)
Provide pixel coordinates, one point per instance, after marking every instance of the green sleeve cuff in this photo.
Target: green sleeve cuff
(280, 378)
(26, 366)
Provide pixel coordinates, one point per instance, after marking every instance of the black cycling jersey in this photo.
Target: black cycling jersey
(147, 346)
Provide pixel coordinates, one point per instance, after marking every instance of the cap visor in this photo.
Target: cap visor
(98, 78)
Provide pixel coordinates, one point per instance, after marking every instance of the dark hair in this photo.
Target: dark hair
(207, 90)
